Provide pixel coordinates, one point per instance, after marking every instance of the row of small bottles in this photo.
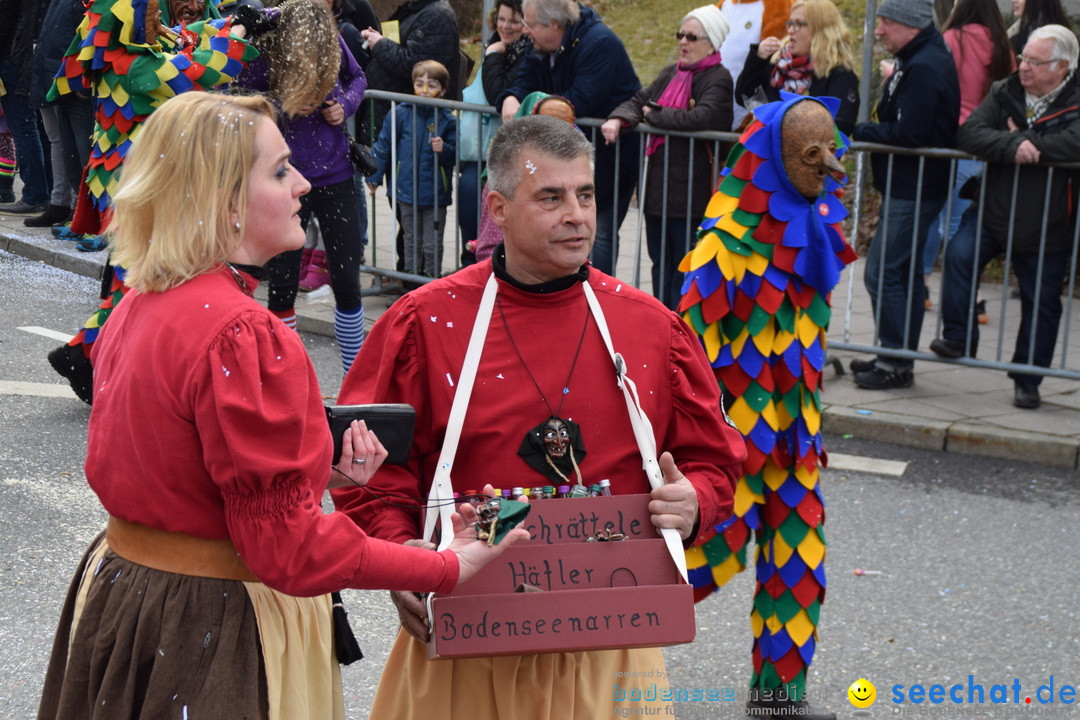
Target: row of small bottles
(545, 492)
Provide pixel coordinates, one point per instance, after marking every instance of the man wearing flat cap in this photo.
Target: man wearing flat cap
(920, 107)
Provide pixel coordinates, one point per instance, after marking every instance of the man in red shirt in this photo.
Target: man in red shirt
(543, 357)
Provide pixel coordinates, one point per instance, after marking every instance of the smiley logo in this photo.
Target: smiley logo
(862, 693)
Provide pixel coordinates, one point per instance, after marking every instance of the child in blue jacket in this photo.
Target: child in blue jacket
(426, 139)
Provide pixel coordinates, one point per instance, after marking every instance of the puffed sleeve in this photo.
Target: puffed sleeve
(267, 446)
(707, 449)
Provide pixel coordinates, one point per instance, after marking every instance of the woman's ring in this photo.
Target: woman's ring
(359, 461)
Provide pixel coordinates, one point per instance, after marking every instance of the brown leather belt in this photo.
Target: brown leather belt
(176, 552)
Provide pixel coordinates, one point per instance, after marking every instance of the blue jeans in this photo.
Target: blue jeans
(469, 187)
(964, 169)
(23, 123)
(669, 239)
(893, 274)
(965, 259)
(76, 116)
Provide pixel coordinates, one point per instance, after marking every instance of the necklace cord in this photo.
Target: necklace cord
(521, 359)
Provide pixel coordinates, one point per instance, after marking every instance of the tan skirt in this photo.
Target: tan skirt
(134, 642)
(583, 685)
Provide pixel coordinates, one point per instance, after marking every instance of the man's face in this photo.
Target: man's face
(894, 36)
(545, 38)
(186, 11)
(1037, 76)
(549, 225)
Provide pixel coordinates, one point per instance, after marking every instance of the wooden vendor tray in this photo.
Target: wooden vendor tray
(592, 595)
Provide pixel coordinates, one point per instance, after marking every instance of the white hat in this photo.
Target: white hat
(715, 24)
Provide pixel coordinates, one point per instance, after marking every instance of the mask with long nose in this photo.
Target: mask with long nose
(809, 146)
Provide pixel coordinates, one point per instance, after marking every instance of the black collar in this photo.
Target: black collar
(498, 264)
(258, 272)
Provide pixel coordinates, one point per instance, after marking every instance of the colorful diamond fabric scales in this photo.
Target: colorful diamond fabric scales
(756, 291)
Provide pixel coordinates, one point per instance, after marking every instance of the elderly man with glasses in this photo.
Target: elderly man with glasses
(1032, 116)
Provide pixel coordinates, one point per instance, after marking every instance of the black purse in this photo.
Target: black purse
(361, 157)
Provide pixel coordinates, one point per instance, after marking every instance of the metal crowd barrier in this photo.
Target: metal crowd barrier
(634, 266)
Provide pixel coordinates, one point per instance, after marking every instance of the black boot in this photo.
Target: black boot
(53, 215)
(73, 365)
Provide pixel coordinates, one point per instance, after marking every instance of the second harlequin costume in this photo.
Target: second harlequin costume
(129, 76)
(757, 293)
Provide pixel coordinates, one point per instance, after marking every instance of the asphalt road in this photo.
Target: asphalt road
(978, 559)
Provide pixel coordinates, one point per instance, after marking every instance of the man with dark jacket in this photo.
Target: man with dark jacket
(20, 21)
(920, 107)
(1031, 116)
(577, 56)
(428, 30)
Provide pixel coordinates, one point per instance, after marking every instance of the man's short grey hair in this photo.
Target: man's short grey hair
(561, 12)
(1066, 46)
(539, 134)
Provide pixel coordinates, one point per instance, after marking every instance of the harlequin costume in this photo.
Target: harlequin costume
(129, 76)
(757, 293)
(414, 354)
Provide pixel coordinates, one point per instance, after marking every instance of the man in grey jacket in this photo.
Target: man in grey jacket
(1030, 117)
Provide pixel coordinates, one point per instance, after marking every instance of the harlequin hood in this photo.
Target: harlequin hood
(756, 203)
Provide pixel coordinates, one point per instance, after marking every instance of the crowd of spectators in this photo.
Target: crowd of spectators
(934, 82)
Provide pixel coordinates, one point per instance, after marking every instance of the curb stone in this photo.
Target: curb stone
(998, 442)
(887, 427)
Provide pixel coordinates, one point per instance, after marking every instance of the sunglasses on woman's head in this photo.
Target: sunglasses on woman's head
(690, 37)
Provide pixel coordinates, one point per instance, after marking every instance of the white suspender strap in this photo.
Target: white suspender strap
(643, 431)
(441, 496)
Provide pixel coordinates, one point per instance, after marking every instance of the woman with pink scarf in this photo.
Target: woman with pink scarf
(816, 58)
(693, 94)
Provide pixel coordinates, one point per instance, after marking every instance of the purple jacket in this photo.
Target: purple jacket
(320, 151)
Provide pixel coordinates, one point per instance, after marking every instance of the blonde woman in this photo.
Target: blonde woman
(206, 597)
(816, 58)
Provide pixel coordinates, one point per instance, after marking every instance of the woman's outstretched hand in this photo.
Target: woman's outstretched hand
(474, 554)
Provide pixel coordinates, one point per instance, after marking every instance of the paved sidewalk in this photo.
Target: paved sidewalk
(950, 407)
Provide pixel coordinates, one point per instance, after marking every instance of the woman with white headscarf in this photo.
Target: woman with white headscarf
(693, 94)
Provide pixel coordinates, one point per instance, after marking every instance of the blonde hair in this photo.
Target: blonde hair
(304, 55)
(831, 45)
(184, 176)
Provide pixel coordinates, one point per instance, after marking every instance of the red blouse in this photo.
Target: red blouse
(208, 420)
